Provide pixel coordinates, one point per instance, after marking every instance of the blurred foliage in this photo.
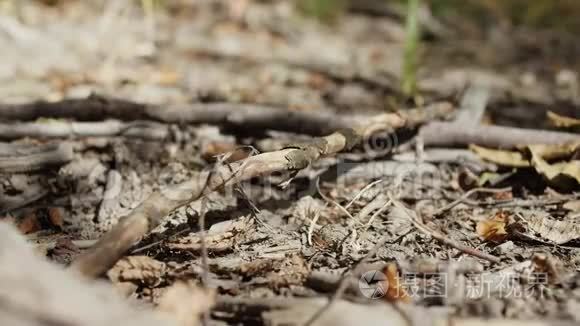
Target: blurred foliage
(324, 10)
(149, 6)
(558, 14)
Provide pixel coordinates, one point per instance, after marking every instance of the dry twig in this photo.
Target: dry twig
(466, 195)
(438, 236)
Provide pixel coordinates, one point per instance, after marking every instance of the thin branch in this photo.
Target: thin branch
(452, 134)
(440, 237)
(466, 195)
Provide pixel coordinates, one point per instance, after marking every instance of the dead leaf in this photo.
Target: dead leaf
(494, 229)
(167, 77)
(565, 174)
(30, 223)
(467, 180)
(547, 264)
(291, 270)
(560, 121)
(573, 206)
(138, 269)
(555, 152)
(317, 81)
(501, 157)
(186, 303)
(55, 216)
(550, 229)
(394, 290)
(504, 195)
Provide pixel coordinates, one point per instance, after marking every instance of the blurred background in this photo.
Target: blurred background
(364, 55)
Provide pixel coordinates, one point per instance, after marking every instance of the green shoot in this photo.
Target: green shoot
(413, 34)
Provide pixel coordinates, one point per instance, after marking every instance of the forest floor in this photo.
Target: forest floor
(419, 222)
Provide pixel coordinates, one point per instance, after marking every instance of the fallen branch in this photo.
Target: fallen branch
(454, 134)
(34, 292)
(247, 117)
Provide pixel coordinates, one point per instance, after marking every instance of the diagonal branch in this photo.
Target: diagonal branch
(113, 245)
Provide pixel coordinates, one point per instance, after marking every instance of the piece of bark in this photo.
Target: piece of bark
(34, 292)
(67, 129)
(453, 134)
(111, 195)
(26, 158)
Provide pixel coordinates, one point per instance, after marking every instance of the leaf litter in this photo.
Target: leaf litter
(266, 242)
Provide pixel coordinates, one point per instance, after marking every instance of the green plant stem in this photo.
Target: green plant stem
(409, 82)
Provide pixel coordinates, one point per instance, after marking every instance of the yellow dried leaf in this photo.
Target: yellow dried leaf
(555, 152)
(501, 157)
(564, 175)
(493, 229)
(560, 121)
(394, 290)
